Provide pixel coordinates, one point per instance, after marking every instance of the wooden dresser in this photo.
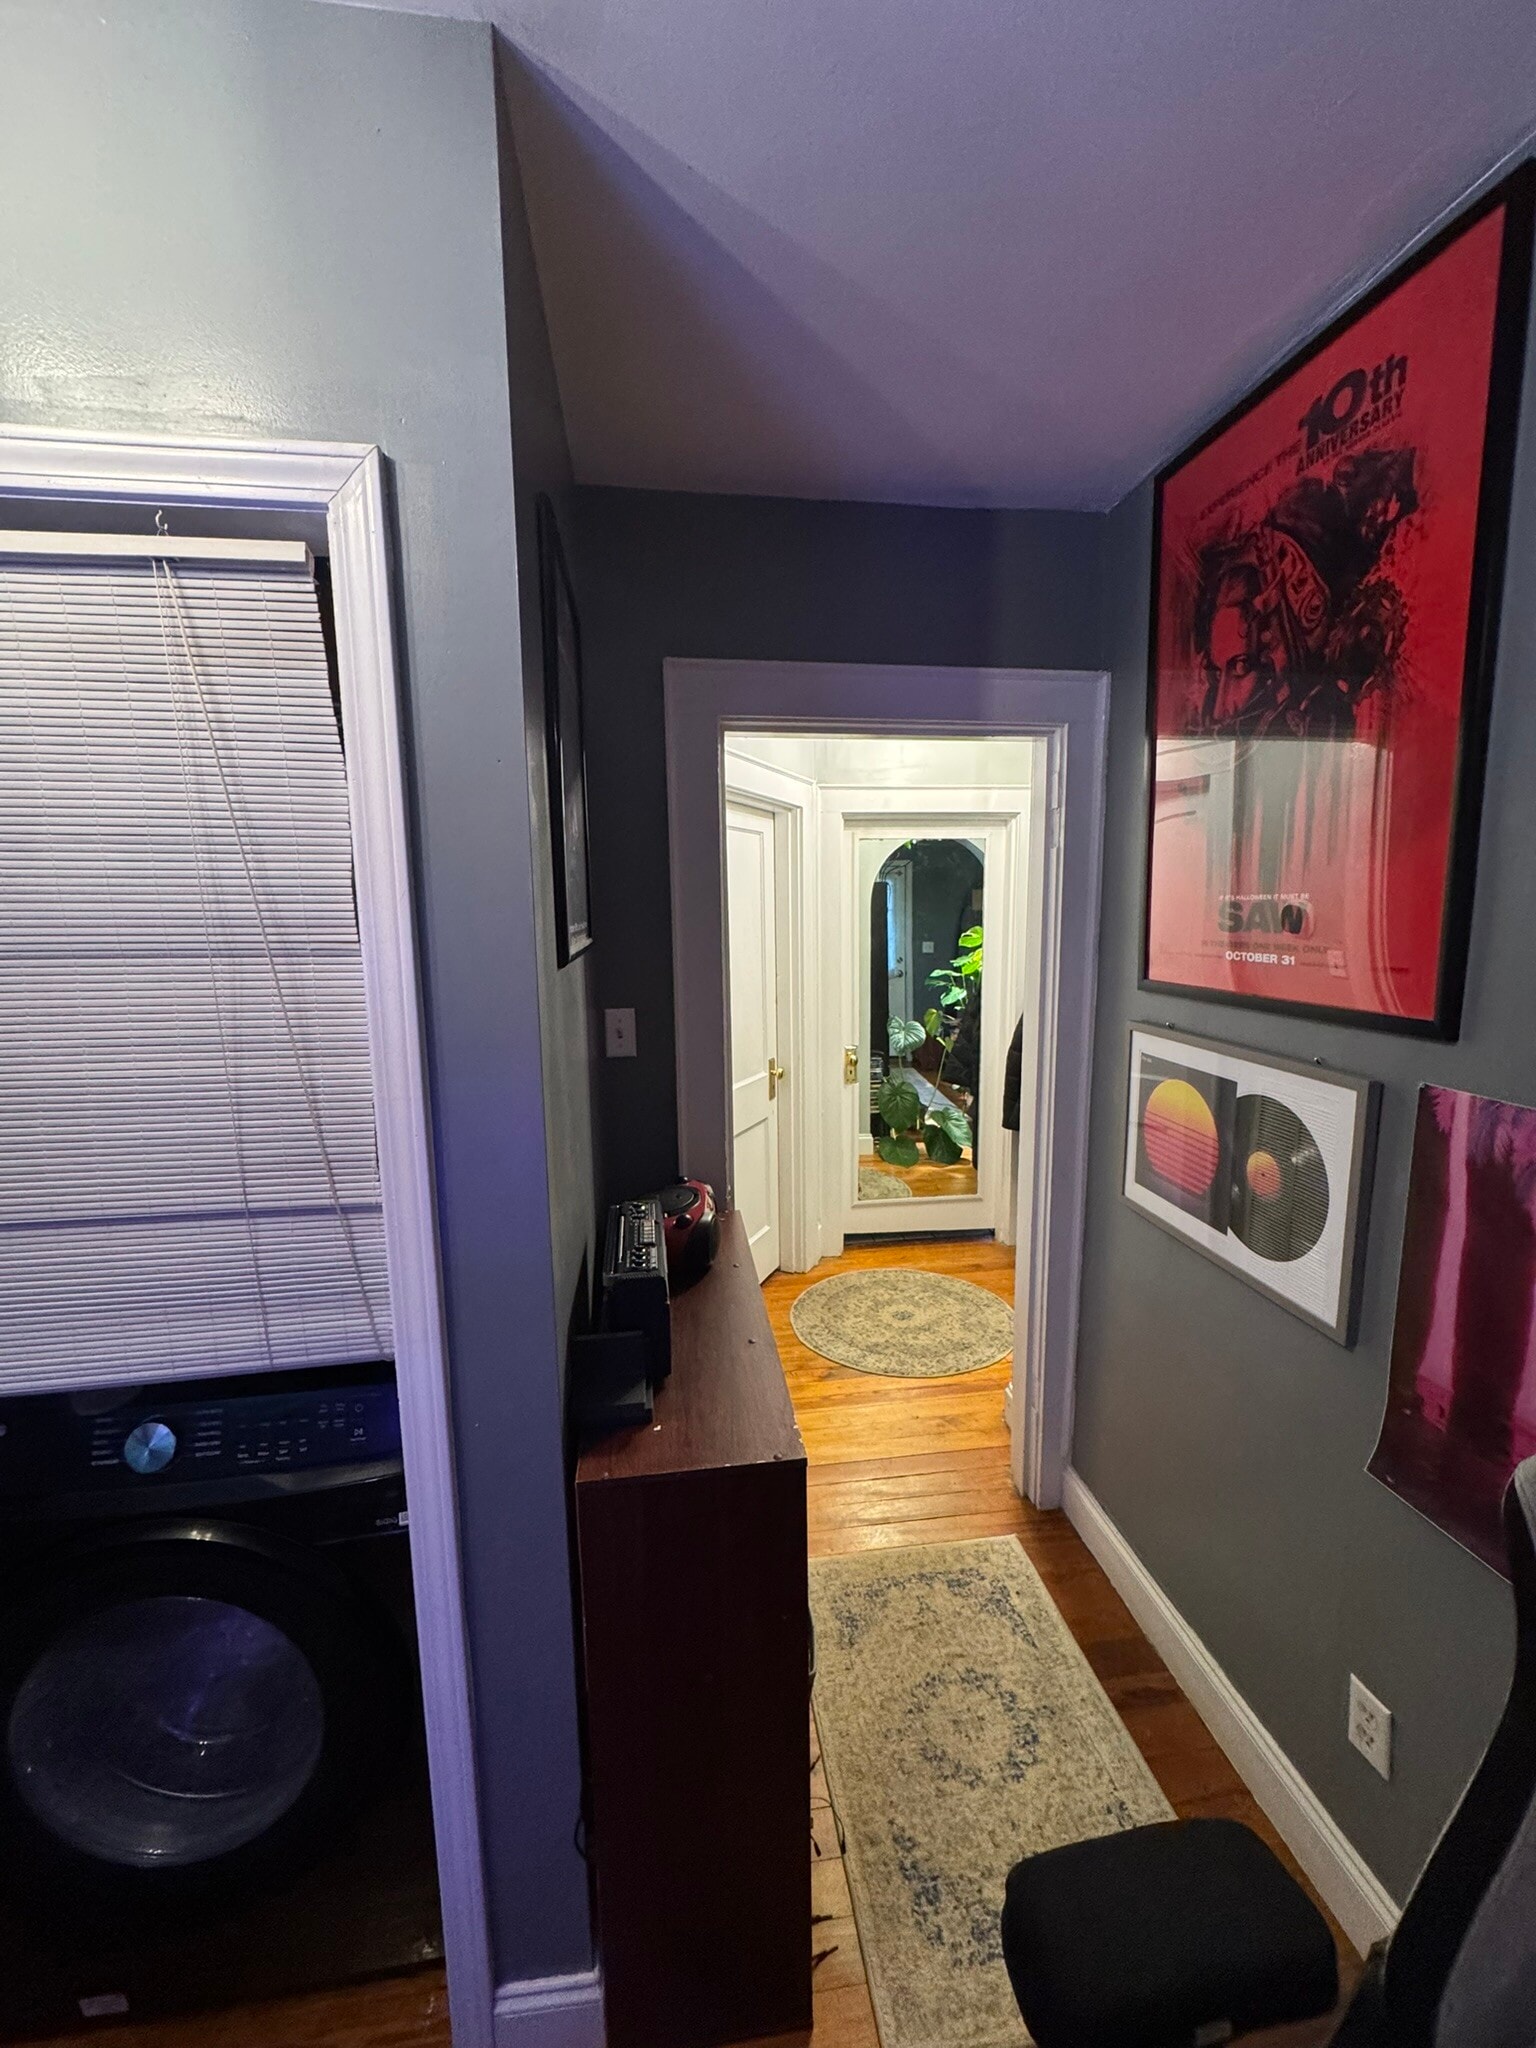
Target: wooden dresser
(692, 1543)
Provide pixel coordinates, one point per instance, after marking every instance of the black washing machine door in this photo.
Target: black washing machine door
(186, 1710)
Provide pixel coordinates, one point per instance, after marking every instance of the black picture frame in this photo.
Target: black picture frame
(1517, 193)
(1341, 1321)
(564, 741)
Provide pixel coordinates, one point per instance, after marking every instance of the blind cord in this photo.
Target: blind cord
(205, 894)
(166, 588)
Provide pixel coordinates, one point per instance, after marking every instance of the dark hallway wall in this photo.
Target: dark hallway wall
(667, 573)
(1225, 1437)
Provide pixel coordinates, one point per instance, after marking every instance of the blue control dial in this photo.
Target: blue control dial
(150, 1447)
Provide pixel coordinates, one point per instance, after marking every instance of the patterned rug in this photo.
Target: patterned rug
(961, 1729)
(916, 1326)
(875, 1186)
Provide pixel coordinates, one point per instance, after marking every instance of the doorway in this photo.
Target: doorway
(773, 710)
(930, 910)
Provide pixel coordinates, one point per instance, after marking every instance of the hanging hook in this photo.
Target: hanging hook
(160, 526)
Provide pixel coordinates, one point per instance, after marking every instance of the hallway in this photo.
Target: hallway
(896, 1462)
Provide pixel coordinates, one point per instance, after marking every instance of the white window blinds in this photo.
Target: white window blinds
(188, 1166)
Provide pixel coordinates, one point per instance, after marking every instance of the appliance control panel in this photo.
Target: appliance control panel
(634, 1240)
(63, 1444)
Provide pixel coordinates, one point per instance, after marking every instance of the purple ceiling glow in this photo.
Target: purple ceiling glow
(990, 254)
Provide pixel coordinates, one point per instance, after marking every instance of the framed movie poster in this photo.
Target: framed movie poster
(1461, 1398)
(1326, 576)
(1258, 1162)
(563, 741)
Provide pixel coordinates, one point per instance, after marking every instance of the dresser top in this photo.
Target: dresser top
(725, 1402)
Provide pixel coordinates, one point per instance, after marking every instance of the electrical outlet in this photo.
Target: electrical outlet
(1370, 1727)
(619, 1034)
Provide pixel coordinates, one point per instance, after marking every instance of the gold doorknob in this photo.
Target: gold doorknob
(850, 1063)
(775, 1076)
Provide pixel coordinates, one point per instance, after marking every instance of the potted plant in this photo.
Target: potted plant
(941, 1127)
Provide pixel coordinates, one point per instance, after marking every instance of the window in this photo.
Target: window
(188, 1167)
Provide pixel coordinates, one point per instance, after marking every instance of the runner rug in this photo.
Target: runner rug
(961, 1728)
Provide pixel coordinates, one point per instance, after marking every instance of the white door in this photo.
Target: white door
(751, 913)
(918, 887)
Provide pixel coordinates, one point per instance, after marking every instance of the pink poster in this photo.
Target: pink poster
(1461, 1402)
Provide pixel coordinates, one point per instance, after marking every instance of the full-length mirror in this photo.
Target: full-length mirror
(922, 1019)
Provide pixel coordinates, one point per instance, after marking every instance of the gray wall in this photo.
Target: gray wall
(279, 219)
(669, 573)
(543, 465)
(1227, 1438)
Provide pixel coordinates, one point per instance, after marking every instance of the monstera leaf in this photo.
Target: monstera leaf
(899, 1104)
(897, 1150)
(946, 1134)
(970, 939)
(905, 1035)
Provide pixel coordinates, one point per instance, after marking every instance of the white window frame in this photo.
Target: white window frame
(345, 483)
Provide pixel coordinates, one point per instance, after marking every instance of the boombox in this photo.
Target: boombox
(651, 1246)
(692, 1229)
(635, 1293)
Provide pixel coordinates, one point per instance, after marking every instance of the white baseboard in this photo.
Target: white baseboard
(1359, 1901)
(550, 2012)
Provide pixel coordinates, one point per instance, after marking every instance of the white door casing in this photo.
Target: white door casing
(751, 870)
(345, 482)
(1069, 712)
(792, 800)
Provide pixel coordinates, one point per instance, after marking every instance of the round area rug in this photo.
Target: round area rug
(875, 1186)
(914, 1326)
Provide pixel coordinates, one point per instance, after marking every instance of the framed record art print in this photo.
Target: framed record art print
(1260, 1163)
(563, 741)
(1327, 564)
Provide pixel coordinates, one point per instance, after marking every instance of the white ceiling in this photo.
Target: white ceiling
(992, 252)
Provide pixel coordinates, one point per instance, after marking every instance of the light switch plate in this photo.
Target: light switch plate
(619, 1034)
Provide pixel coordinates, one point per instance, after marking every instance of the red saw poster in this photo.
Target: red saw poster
(1325, 578)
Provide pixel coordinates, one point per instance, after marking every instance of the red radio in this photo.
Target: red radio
(690, 1229)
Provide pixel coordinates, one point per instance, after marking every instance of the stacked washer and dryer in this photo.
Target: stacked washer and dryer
(213, 1779)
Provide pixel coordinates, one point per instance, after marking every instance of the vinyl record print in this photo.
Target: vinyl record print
(1259, 1163)
(1279, 1181)
(1184, 1150)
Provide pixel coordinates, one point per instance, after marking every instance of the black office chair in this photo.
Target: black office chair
(1189, 1933)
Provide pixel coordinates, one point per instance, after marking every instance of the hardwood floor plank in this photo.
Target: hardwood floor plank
(844, 2017)
(986, 1458)
(396, 2012)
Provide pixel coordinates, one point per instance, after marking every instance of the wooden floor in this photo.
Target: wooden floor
(397, 2012)
(924, 1179)
(891, 1461)
(847, 1415)
(895, 1461)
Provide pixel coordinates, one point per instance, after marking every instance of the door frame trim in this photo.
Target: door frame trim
(1069, 709)
(345, 482)
(762, 788)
